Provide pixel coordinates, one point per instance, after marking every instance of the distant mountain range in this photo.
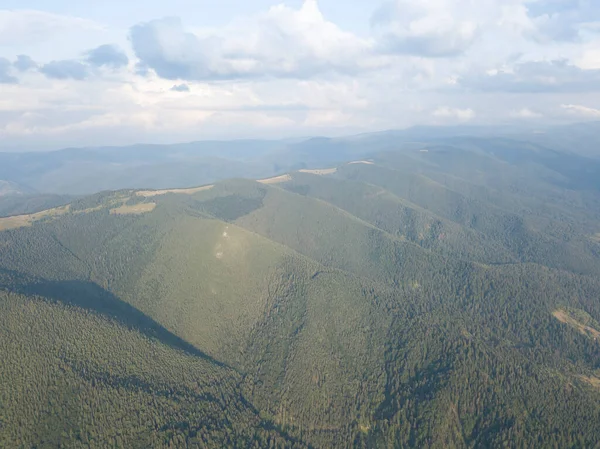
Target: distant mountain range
(90, 170)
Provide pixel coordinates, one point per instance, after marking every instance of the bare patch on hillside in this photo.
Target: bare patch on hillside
(319, 171)
(362, 162)
(135, 209)
(191, 191)
(276, 179)
(592, 381)
(564, 317)
(20, 221)
(596, 238)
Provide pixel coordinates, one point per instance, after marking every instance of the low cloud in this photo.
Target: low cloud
(24, 63)
(525, 113)
(180, 88)
(536, 77)
(5, 72)
(107, 56)
(463, 115)
(581, 111)
(62, 70)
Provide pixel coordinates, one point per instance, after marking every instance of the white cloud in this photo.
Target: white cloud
(581, 111)
(536, 76)
(25, 26)
(589, 57)
(563, 20)
(463, 115)
(525, 113)
(283, 42)
(444, 28)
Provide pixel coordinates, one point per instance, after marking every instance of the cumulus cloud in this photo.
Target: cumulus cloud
(581, 111)
(62, 70)
(536, 76)
(107, 56)
(5, 72)
(562, 20)
(24, 63)
(180, 88)
(283, 42)
(423, 29)
(446, 112)
(444, 28)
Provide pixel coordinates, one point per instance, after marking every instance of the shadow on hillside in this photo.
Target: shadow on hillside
(90, 296)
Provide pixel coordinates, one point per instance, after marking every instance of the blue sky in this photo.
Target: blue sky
(112, 72)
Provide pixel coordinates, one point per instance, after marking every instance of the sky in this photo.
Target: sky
(87, 73)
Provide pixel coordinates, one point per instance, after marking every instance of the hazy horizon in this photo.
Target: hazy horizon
(499, 130)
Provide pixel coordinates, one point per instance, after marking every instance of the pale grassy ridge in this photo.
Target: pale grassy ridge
(20, 221)
(276, 179)
(135, 209)
(190, 191)
(118, 207)
(319, 171)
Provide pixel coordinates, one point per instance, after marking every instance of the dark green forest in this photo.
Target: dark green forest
(441, 295)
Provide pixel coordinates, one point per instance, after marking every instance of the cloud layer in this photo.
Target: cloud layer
(537, 76)
(294, 71)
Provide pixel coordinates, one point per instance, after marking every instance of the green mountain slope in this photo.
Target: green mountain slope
(397, 302)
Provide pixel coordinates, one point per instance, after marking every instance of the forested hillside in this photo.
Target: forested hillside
(428, 295)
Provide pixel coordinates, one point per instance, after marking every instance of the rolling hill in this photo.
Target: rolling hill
(425, 295)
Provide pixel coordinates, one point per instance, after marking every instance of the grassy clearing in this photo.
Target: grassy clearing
(596, 237)
(20, 221)
(191, 191)
(319, 171)
(136, 209)
(564, 317)
(276, 179)
(593, 381)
